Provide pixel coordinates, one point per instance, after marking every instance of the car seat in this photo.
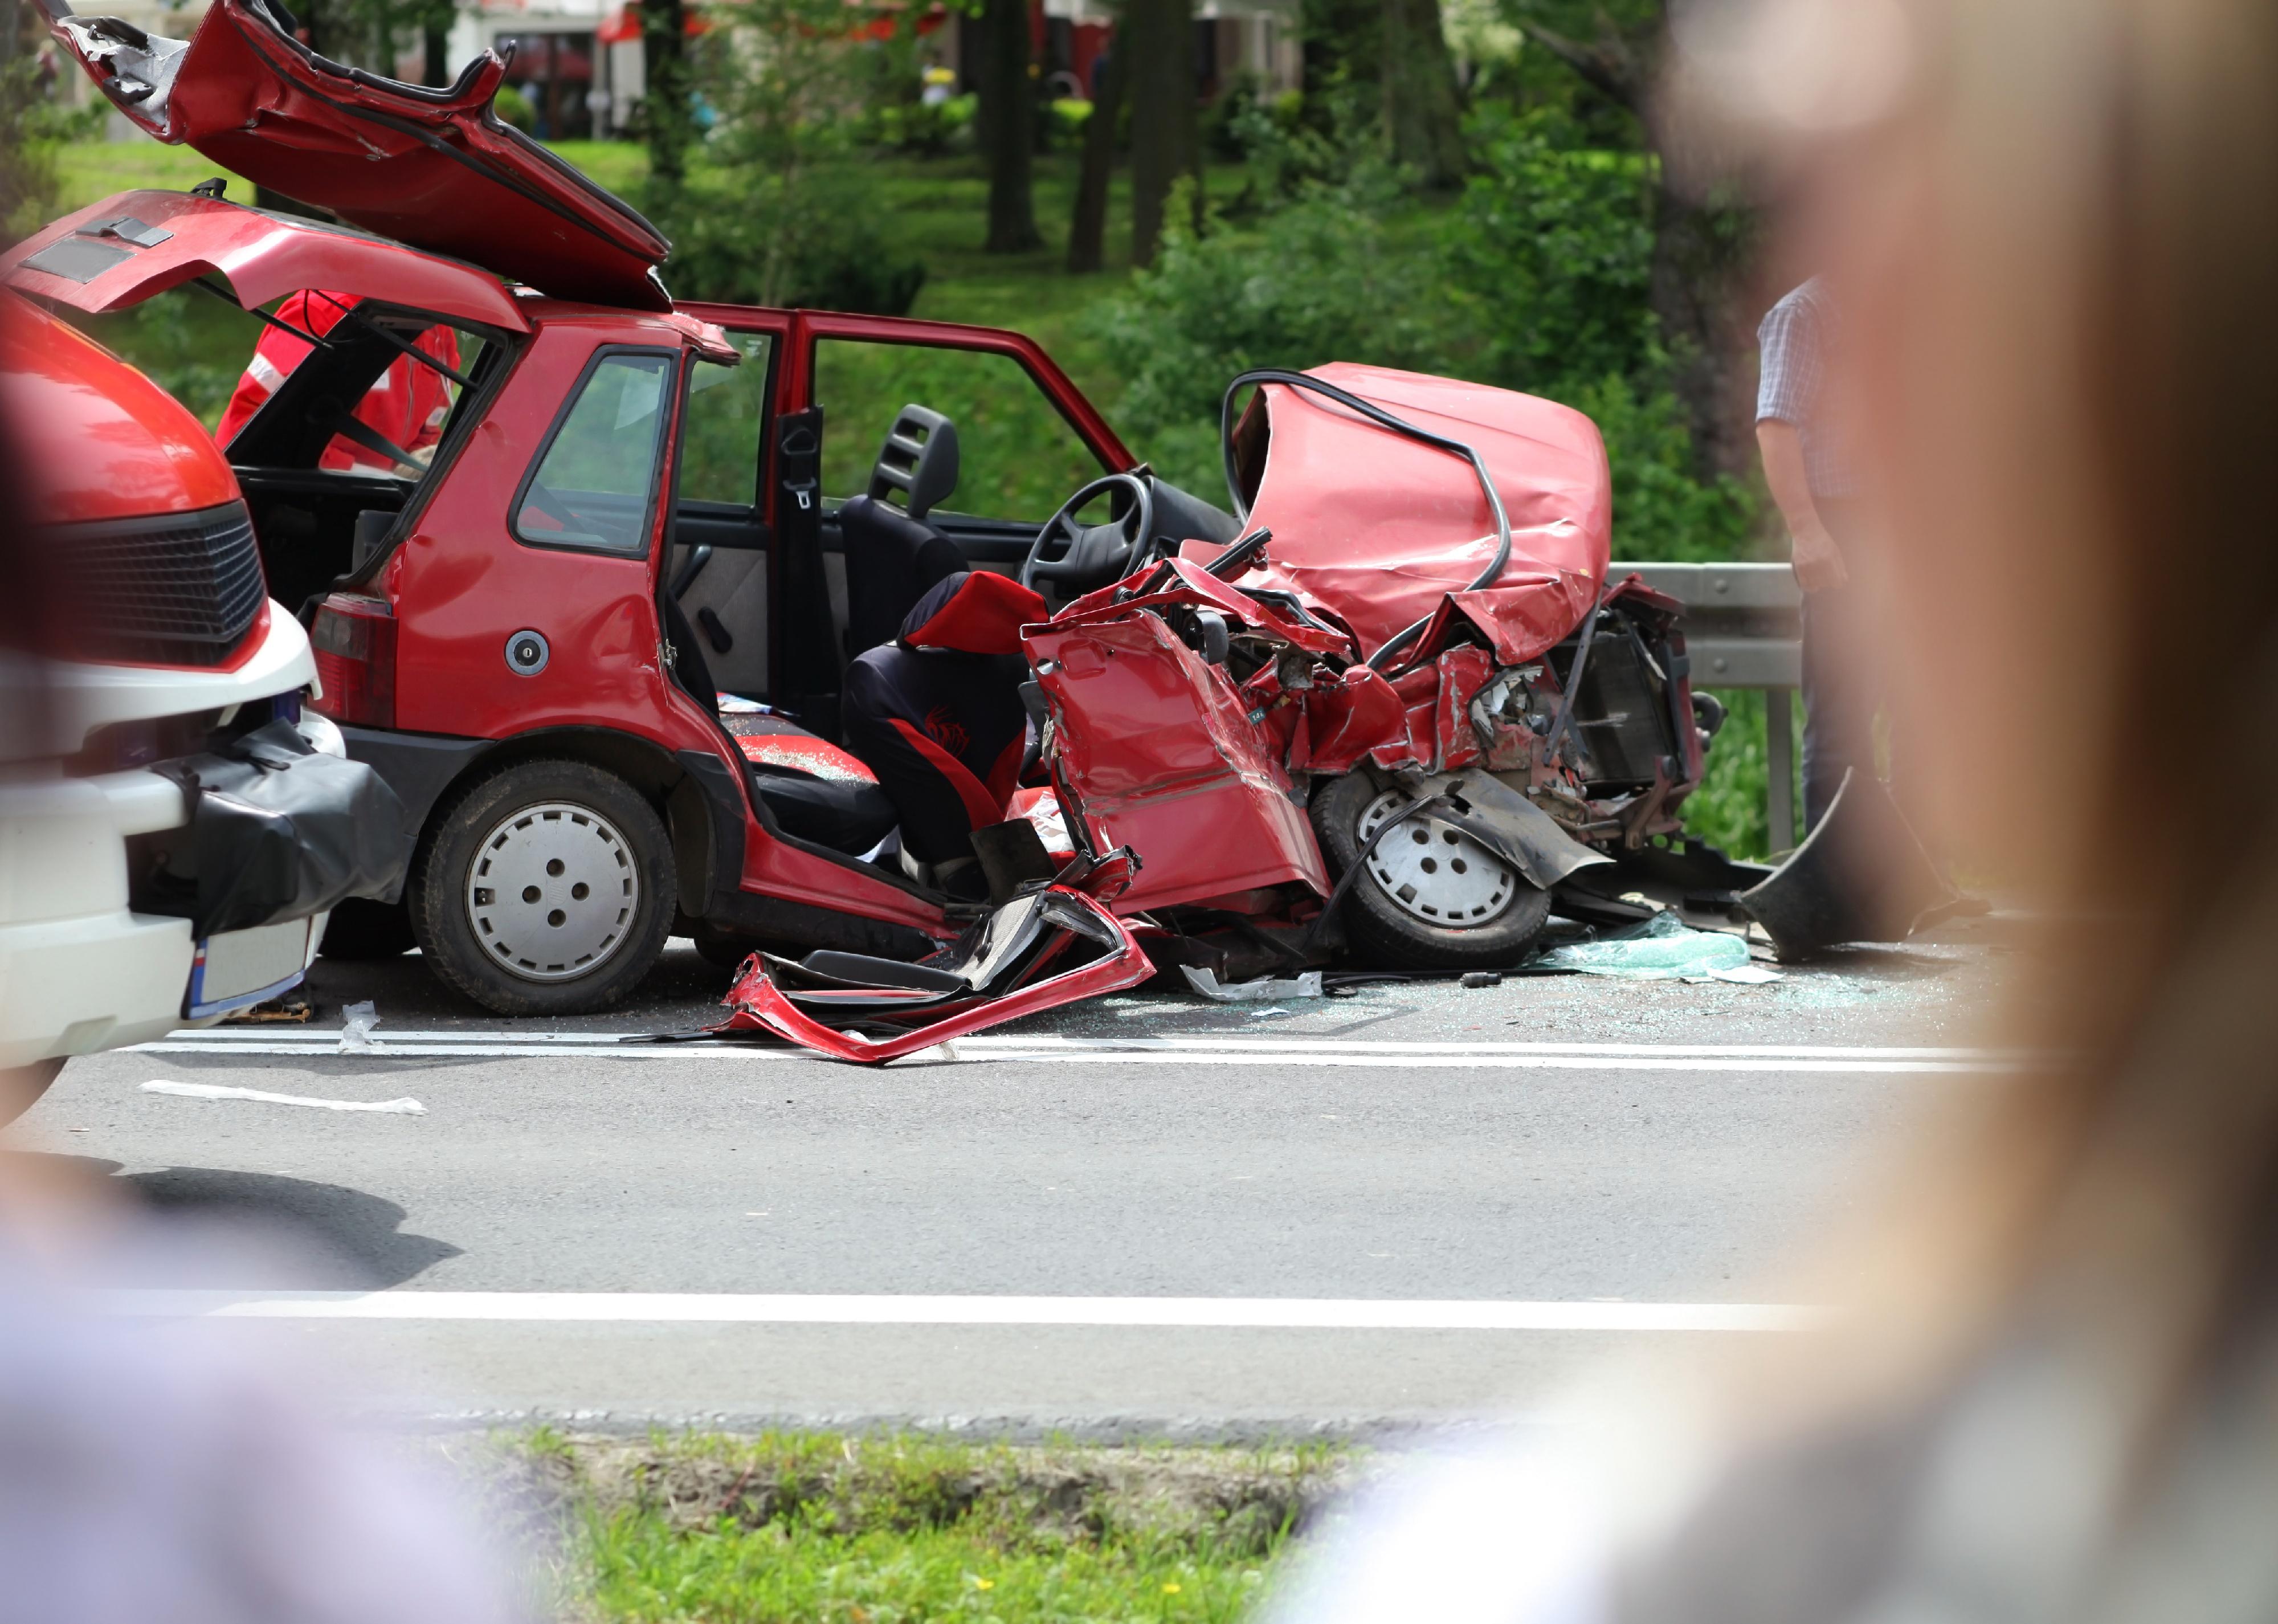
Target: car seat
(893, 555)
(937, 714)
(811, 789)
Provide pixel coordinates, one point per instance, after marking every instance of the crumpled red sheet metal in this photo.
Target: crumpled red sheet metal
(1158, 751)
(1381, 530)
(1184, 580)
(1034, 932)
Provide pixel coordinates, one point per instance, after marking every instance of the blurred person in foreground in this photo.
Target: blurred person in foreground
(2050, 1389)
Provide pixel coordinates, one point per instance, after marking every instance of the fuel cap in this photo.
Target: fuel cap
(526, 652)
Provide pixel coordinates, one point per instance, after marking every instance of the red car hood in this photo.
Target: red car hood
(1381, 530)
(432, 168)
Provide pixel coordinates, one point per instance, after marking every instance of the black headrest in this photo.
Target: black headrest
(917, 463)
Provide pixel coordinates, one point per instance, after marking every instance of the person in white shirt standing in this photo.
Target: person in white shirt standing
(1814, 484)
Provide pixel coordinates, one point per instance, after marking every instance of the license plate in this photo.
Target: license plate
(239, 967)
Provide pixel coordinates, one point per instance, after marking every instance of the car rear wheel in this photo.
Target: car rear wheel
(546, 888)
(1429, 897)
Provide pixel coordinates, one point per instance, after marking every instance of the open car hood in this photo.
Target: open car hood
(433, 168)
(1379, 530)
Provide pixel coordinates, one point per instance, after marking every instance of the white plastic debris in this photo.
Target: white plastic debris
(356, 1023)
(216, 1091)
(1661, 949)
(1264, 990)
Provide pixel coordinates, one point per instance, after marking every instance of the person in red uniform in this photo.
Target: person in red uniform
(405, 407)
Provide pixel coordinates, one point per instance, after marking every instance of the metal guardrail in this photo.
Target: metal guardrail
(1744, 629)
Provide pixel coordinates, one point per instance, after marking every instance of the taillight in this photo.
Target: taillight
(355, 643)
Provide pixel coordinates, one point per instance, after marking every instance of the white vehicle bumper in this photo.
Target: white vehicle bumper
(80, 970)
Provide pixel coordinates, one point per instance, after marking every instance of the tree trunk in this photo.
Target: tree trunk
(1164, 142)
(438, 48)
(1007, 126)
(1701, 260)
(1422, 119)
(1702, 249)
(1087, 232)
(664, 101)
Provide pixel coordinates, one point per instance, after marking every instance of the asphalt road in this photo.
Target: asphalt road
(1147, 1216)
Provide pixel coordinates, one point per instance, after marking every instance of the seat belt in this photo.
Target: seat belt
(348, 426)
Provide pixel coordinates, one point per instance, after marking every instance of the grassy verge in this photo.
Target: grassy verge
(815, 1527)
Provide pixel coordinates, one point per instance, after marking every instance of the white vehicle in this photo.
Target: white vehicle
(173, 827)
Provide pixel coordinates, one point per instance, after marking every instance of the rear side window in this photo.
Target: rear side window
(595, 483)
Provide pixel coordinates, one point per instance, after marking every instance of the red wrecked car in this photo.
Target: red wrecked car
(599, 637)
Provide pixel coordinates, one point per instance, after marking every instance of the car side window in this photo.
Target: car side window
(1018, 458)
(727, 408)
(595, 483)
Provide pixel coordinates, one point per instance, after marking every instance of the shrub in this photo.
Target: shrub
(1536, 280)
(514, 108)
(766, 242)
(1324, 281)
(1550, 250)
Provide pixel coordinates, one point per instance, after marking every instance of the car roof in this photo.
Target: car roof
(120, 251)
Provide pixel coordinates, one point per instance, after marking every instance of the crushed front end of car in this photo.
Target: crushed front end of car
(1400, 712)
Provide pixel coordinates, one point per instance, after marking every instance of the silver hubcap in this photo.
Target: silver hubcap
(552, 891)
(1438, 874)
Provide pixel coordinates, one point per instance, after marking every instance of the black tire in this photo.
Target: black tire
(21, 1088)
(496, 944)
(1386, 932)
(361, 928)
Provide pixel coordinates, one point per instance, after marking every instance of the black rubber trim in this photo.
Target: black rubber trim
(418, 767)
(725, 808)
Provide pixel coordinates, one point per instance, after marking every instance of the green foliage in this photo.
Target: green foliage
(1661, 510)
(1552, 246)
(193, 347)
(782, 213)
(927, 129)
(1536, 280)
(812, 240)
(35, 124)
(514, 108)
(1326, 280)
(1018, 458)
(1730, 808)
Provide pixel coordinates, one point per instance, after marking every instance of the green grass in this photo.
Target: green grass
(819, 1527)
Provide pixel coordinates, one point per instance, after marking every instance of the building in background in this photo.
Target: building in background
(576, 64)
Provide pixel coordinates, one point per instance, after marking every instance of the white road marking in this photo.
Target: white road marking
(1212, 1313)
(1203, 1049)
(215, 1090)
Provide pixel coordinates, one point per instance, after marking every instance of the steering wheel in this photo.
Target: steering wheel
(1094, 553)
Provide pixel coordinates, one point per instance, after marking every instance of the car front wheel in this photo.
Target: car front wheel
(546, 888)
(1428, 897)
